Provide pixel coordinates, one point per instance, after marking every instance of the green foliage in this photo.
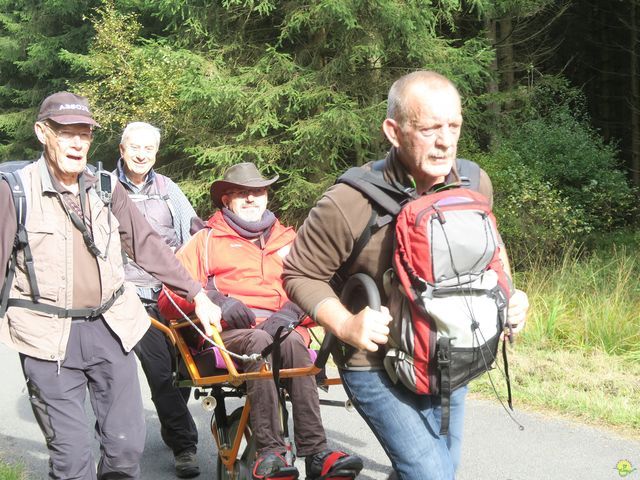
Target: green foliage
(585, 302)
(591, 386)
(580, 350)
(568, 155)
(31, 37)
(298, 88)
(10, 471)
(534, 218)
(555, 181)
(130, 79)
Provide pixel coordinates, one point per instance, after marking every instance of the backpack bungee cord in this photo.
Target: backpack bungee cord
(479, 335)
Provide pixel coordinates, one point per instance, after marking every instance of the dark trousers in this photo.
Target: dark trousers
(94, 360)
(177, 426)
(265, 420)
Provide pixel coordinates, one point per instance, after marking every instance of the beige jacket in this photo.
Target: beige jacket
(49, 229)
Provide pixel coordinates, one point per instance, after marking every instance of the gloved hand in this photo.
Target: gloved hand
(234, 312)
(288, 314)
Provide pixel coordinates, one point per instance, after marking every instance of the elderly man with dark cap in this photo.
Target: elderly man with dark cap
(239, 258)
(69, 313)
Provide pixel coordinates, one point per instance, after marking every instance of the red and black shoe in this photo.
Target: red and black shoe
(332, 465)
(273, 466)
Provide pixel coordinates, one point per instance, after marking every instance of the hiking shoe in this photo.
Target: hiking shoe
(332, 464)
(273, 465)
(187, 464)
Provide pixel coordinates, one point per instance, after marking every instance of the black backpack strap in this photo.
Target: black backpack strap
(342, 274)
(276, 365)
(386, 200)
(469, 173)
(372, 185)
(79, 220)
(20, 242)
(67, 312)
(281, 334)
(506, 374)
(444, 364)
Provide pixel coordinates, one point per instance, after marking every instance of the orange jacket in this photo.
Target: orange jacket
(240, 268)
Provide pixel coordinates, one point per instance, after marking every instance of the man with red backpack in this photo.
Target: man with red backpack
(423, 124)
(238, 257)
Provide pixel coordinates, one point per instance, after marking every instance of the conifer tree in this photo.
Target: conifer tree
(32, 33)
(297, 87)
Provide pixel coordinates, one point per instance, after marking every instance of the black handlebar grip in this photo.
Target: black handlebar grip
(359, 291)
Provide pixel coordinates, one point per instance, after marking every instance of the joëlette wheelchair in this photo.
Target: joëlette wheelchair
(215, 377)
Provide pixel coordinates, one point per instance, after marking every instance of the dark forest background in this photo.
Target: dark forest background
(551, 93)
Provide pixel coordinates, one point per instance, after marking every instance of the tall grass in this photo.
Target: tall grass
(11, 472)
(580, 351)
(585, 302)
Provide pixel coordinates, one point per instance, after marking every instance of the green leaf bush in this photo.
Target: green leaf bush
(556, 183)
(533, 217)
(568, 155)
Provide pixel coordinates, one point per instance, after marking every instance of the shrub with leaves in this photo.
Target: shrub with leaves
(556, 182)
(130, 78)
(533, 217)
(567, 154)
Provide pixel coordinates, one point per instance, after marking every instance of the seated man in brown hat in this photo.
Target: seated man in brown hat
(238, 258)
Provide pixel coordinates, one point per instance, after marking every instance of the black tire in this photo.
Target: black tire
(246, 454)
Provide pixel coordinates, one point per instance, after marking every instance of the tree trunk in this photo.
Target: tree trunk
(634, 51)
(506, 53)
(492, 87)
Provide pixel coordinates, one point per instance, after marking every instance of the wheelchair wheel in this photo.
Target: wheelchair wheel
(246, 454)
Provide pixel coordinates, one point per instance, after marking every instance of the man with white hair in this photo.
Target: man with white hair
(169, 212)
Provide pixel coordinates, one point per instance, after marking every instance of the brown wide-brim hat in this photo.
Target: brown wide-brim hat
(244, 175)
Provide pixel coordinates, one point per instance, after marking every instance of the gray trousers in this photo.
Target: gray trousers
(178, 429)
(95, 361)
(265, 419)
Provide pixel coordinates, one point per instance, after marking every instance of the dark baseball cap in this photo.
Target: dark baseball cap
(66, 108)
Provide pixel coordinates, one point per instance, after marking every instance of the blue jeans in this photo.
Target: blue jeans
(408, 425)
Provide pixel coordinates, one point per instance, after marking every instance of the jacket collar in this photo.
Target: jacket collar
(396, 172)
(151, 175)
(51, 185)
(279, 237)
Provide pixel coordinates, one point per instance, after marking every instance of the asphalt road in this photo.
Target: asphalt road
(494, 447)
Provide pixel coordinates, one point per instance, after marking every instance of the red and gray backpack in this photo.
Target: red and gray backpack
(447, 290)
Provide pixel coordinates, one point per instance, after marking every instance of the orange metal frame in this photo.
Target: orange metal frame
(228, 454)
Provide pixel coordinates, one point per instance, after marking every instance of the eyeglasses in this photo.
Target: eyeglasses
(135, 149)
(67, 136)
(256, 192)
